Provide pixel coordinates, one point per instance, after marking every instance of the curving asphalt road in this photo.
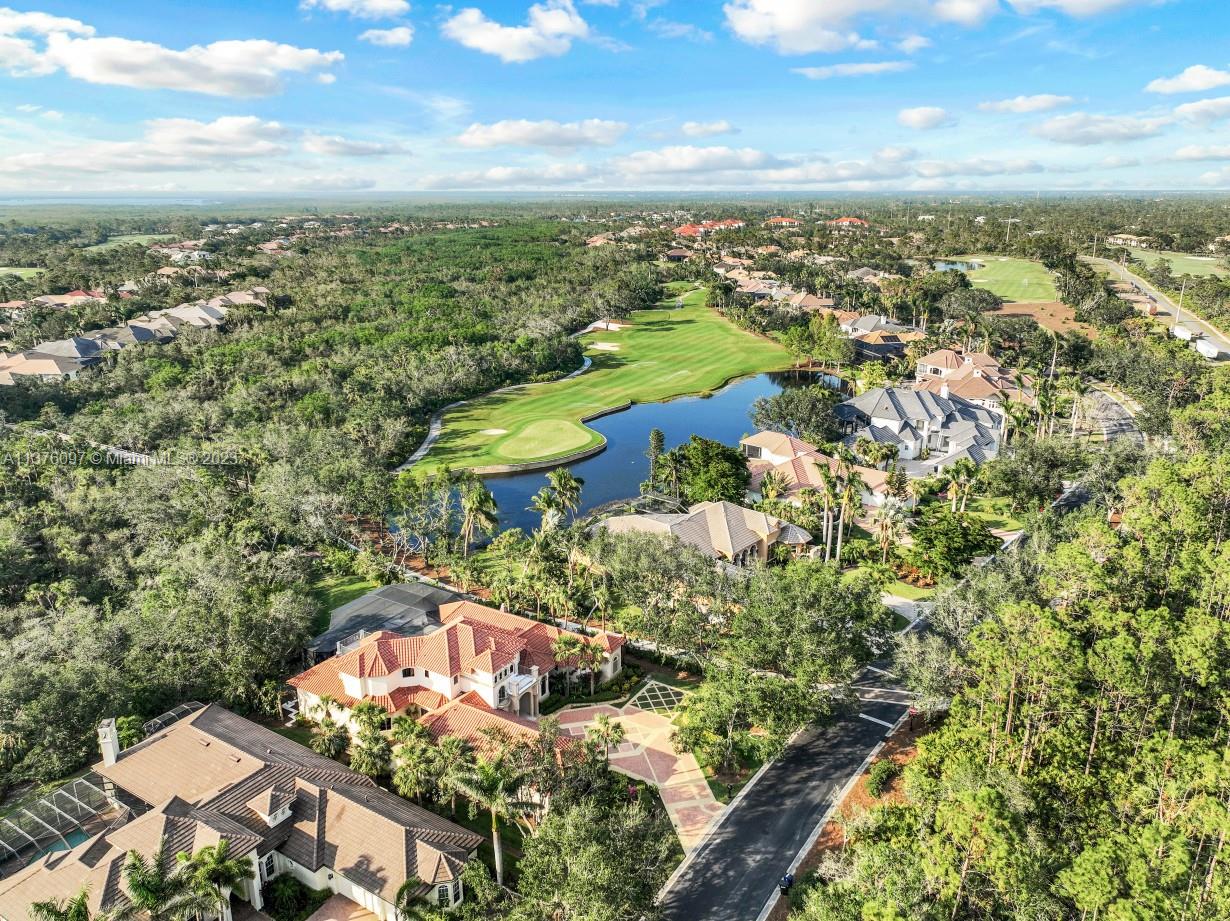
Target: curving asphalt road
(1166, 308)
(734, 873)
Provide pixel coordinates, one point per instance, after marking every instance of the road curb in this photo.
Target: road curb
(828, 813)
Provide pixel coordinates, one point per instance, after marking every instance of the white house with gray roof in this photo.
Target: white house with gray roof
(930, 431)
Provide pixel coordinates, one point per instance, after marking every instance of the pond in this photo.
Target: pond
(618, 471)
(942, 265)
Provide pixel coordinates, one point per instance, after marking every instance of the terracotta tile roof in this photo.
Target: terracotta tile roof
(468, 717)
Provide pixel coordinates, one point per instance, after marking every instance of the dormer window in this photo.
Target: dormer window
(407, 673)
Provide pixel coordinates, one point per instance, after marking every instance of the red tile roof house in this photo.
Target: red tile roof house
(482, 668)
(801, 466)
(782, 222)
(214, 776)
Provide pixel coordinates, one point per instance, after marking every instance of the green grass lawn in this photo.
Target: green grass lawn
(20, 271)
(1017, 280)
(333, 592)
(898, 588)
(663, 354)
(124, 239)
(1184, 264)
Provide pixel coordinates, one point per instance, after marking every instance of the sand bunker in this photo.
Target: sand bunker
(606, 346)
(494, 432)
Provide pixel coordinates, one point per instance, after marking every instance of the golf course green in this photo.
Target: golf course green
(1018, 280)
(659, 354)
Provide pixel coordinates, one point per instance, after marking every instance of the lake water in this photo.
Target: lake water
(618, 471)
(942, 265)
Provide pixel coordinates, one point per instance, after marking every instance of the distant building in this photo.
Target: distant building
(1129, 240)
(783, 222)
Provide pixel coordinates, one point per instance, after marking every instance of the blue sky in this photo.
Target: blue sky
(336, 95)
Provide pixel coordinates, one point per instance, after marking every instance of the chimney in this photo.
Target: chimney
(109, 742)
(944, 390)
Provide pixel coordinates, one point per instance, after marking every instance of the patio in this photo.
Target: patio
(647, 754)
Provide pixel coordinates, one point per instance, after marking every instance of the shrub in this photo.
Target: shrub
(881, 775)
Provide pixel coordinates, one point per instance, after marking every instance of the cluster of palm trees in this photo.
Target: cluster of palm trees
(161, 888)
(836, 500)
(1042, 415)
(574, 650)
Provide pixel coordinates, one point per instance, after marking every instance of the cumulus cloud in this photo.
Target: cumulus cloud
(1043, 102)
(550, 29)
(364, 9)
(912, 43)
(853, 70)
(708, 129)
(1194, 79)
(333, 145)
(1073, 7)
(976, 166)
(1206, 110)
(1202, 152)
(592, 132)
(690, 159)
(168, 144)
(326, 182)
(965, 12)
(501, 177)
(397, 37)
(1219, 177)
(669, 28)
(36, 44)
(1085, 129)
(925, 118)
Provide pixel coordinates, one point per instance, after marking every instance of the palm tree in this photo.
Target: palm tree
(76, 908)
(772, 485)
(606, 733)
(916, 488)
(829, 492)
(406, 730)
(407, 901)
(367, 714)
(1078, 389)
(566, 646)
(591, 657)
(479, 512)
(546, 503)
(567, 488)
(415, 774)
(961, 477)
(889, 522)
(330, 739)
(371, 754)
(493, 784)
(159, 888)
(453, 758)
(216, 874)
(325, 704)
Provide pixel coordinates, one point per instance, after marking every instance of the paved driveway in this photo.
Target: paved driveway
(647, 754)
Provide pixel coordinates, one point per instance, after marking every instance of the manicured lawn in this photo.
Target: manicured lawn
(1012, 279)
(126, 238)
(1184, 264)
(899, 588)
(662, 354)
(19, 271)
(300, 734)
(333, 592)
(995, 512)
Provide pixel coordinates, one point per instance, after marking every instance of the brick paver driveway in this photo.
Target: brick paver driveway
(646, 754)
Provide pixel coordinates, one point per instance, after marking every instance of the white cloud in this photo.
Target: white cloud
(1220, 177)
(1043, 102)
(332, 145)
(1194, 79)
(1085, 129)
(912, 43)
(1072, 7)
(364, 9)
(925, 118)
(549, 31)
(853, 70)
(976, 166)
(690, 159)
(592, 132)
(965, 12)
(249, 67)
(1202, 152)
(668, 28)
(708, 129)
(328, 182)
(1206, 110)
(801, 26)
(398, 37)
(52, 115)
(511, 176)
(168, 144)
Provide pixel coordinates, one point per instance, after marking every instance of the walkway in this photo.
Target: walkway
(734, 874)
(647, 754)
